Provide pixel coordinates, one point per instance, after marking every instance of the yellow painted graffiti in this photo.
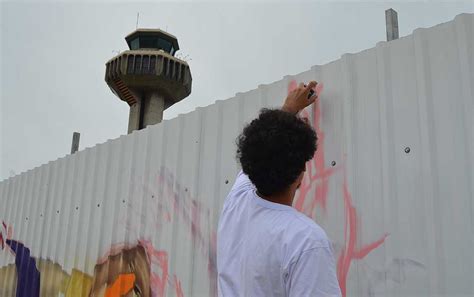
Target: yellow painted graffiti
(53, 282)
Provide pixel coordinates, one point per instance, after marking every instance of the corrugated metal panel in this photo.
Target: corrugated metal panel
(392, 183)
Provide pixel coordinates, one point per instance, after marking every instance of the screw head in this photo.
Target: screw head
(333, 163)
(407, 149)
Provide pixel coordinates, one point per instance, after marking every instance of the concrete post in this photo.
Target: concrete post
(153, 108)
(391, 22)
(75, 142)
(134, 117)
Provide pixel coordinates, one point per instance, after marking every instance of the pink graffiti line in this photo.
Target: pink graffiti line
(191, 212)
(158, 259)
(349, 251)
(319, 177)
(175, 201)
(179, 289)
(158, 283)
(8, 230)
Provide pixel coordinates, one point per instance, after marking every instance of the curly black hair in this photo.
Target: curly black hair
(274, 148)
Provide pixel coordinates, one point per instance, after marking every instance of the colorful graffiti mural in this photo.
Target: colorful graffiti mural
(23, 278)
(124, 272)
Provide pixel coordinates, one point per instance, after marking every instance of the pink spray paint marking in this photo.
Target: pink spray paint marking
(174, 202)
(158, 261)
(292, 85)
(9, 235)
(179, 289)
(319, 89)
(2, 243)
(158, 283)
(191, 212)
(349, 251)
(212, 264)
(319, 177)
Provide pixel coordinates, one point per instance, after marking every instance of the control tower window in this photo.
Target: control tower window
(165, 45)
(153, 41)
(148, 42)
(135, 44)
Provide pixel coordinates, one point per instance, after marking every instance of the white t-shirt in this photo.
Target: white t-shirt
(270, 249)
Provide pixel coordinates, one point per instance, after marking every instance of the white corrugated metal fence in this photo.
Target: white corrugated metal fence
(392, 183)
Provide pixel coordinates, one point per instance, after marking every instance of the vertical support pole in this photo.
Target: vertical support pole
(391, 22)
(75, 142)
(134, 116)
(154, 105)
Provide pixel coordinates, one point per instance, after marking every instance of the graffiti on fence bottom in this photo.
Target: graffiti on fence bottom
(138, 270)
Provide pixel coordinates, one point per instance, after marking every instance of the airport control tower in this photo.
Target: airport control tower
(148, 76)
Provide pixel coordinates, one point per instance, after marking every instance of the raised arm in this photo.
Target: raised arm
(300, 98)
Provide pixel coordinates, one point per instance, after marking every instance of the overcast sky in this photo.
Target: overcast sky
(53, 54)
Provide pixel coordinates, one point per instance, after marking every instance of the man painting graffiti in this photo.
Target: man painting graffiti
(265, 247)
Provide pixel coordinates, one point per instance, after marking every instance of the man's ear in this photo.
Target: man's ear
(299, 180)
(301, 176)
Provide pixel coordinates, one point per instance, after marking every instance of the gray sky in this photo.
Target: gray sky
(52, 58)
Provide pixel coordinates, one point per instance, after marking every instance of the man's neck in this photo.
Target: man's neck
(285, 198)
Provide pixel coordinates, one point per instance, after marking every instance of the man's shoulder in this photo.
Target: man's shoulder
(307, 232)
